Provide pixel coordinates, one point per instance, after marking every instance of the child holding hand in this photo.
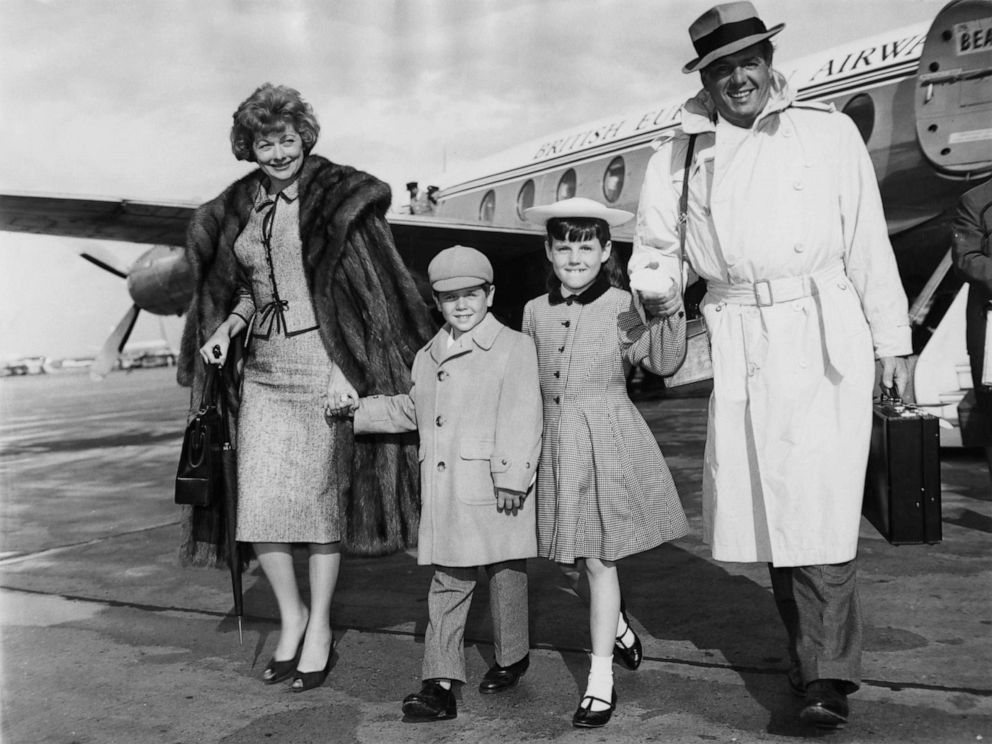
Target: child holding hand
(476, 403)
(604, 490)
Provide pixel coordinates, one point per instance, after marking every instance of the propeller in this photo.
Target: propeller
(107, 357)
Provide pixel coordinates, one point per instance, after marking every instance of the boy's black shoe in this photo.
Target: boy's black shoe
(432, 703)
(825, 705)
(500, 678)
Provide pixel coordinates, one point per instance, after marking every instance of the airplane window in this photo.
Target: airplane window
(613, 179)
(566, 186)
(861, 109)
(487, 207)
(525, 199)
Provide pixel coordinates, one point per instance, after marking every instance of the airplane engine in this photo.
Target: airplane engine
(161, 281)
(953, 104)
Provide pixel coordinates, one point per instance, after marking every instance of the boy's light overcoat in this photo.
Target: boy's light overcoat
(477, 407)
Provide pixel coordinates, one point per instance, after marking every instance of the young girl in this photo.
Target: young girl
(604, 491)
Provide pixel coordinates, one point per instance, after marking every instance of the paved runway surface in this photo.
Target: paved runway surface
(105, 639)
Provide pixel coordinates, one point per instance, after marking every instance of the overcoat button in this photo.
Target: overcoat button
(503, 461)
(706, 211)
(842, 285)
(439, 421)
(561, 349)
(798, 186)
(557, 373)
(798, 247)
(557, 399)
(442, 375)
(440, 467)
(566, 323)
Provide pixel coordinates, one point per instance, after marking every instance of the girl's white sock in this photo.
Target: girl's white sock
(600, 684)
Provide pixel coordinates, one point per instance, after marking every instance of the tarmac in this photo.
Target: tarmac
(104, 638)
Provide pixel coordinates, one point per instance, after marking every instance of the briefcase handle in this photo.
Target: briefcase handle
(891, 398)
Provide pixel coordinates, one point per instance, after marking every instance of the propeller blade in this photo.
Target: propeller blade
(106, 260)
(107, 357)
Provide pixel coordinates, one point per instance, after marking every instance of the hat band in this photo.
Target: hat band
(728, 33)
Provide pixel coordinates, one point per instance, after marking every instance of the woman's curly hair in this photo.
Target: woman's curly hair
(268, 110)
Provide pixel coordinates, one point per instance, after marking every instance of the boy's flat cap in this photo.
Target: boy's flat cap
(459, 267)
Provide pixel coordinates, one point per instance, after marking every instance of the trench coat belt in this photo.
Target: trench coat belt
(767, 292)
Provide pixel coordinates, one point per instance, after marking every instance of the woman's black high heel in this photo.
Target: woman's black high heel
(310, 680)
(277, 671)
(630, 656)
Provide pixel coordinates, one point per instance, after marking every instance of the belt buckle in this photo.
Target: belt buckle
(764, 297)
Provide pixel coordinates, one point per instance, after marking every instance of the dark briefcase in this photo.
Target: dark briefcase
(902, 487)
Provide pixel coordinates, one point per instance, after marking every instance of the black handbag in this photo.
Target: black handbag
(199, 478)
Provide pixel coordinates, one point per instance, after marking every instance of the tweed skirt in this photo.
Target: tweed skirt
(291, 470)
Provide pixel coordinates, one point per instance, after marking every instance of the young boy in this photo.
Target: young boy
(476, 402)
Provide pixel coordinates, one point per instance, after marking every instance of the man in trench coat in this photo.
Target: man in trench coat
(785, 223)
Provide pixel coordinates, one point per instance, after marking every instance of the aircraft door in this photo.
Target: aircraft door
(954, 98)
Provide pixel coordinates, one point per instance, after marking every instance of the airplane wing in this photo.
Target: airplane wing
(96, 219)
(418, 238)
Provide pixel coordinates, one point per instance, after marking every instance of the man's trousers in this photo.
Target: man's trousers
(821, 612)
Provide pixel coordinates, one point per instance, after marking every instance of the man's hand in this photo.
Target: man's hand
(895, 370)
(508, 501)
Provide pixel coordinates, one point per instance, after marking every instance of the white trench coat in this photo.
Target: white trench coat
(793, 200)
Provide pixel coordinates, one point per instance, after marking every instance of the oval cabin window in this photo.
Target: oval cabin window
(861, 109)
(566, 186)
(613, 179)
(525, 199)
(487, 207)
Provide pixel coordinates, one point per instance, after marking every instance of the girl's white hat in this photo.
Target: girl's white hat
(575, 207)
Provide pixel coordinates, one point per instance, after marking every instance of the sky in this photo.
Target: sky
(133, 99)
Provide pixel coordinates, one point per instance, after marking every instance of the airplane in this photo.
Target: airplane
(921, 97)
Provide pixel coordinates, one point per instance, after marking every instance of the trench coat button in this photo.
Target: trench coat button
(439, 421)
(561, 349)
(566, 323)
(719, 307)
(440, 467)
(503, 461)
(798, 186)
(803, 363)
(442, 375)
(527, 465)
(706, 211)
(557, 399)
(557, 373)
(752, 369)
(798, 247)
(841, 285)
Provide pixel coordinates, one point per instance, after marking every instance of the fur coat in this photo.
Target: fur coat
(371, 320)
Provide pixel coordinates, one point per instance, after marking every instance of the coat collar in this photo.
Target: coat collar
(699, 112)
(597, 290)
(483, 336)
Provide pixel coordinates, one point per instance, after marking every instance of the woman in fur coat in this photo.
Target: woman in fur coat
(293, 264)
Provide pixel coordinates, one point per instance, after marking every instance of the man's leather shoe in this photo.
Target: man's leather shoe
(825, 705)
(585, 717)
(500, 678)
(432, 703)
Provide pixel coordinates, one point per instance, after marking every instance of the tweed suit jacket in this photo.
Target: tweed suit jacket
(604, 490)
